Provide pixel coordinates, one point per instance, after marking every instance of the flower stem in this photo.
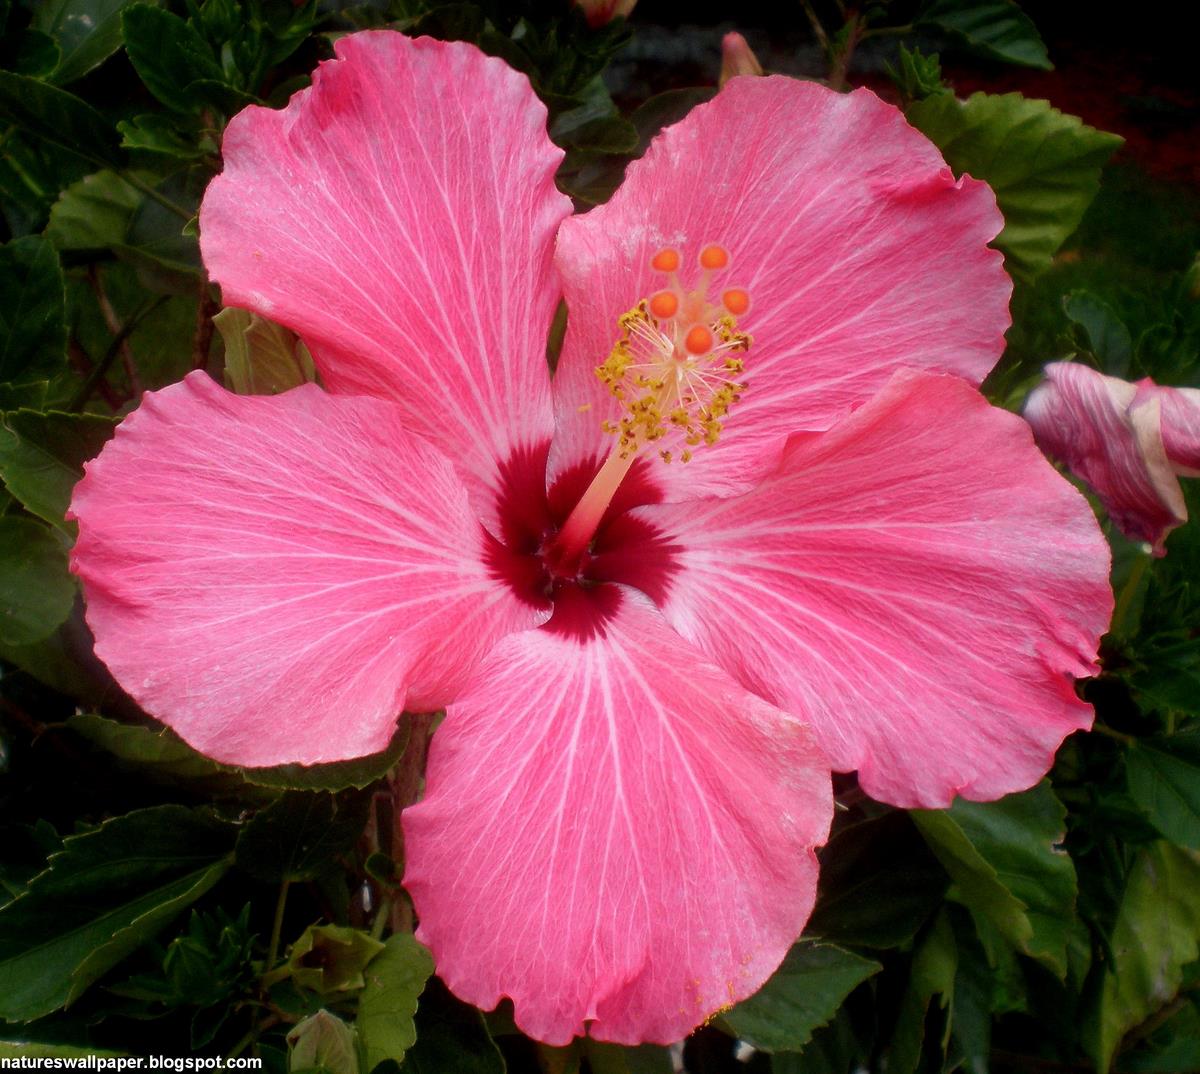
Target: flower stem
(277, 927)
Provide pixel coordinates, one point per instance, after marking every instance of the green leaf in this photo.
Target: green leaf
(878, 885)
(169, 55)
(300, 834)
(1156, 934)
(105, 893)
(37, 54)
(804, 993)
(36, 591)
(323, 1042)
(606, 1058)
(1008, 868)
(1043, 165)
(33, 328)
(93, 214)
(87, 31)
(395, 979)
(997, 29)
(452, 1038)
(156, 751)
(338, 776)
(934, 965)
(57, 117)
(162, 134)
(42, 457)
(1164, 779)
(1104, 332)
(261, 357)
(917, 76)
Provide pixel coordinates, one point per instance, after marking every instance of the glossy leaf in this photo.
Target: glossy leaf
(169, 55)
(1164, 779)
(997, 29)
(58, 117)
(804, 993)
(36, 592)
(105, 893)
(93, 214)
(42, 456)
(33, 330)
(87, 31)
(1156, 934)
(1008, 867)
(395, 979)
(1043, 165)
(300, 834)
(338, 776)
(1105, 334)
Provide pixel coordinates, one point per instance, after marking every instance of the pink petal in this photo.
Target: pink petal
(613, 831)
(1110, 433)
(859, 249)
(1180, 423)
(392, 218)
(277, 577)
(917, 583)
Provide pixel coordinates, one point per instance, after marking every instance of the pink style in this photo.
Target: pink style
(1130, 442)
(648, 667)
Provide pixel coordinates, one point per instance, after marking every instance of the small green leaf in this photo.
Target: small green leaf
(804, 993)
(156, 751)
(42, 457)
(1164, 779)
(1043, 165)
(395, 979)
(337, 776)
(934, 965)
(997, 29)
(162, 134)
(33, 328)
(57, 117)
(917, 76)
(87, 31)
(36, 591)
(37, 54)
(106, 892)
(1008, 867)
(323, 1042)
(300, 834)
(1156, 934)
(93, 214)
(169, 55)
(261, 357)
(1105, 333)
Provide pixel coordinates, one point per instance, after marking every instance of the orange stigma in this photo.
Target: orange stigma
(666, 260)
(736, 301)
(714, 257)
(699, 339)
(664, 305)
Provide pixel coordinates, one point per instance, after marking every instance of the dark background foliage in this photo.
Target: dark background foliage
(154, 902)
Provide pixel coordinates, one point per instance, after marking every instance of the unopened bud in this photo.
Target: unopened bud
(601, 12)
(737, 58)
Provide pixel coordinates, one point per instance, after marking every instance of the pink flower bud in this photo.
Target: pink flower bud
(601, 12)
(737, 58)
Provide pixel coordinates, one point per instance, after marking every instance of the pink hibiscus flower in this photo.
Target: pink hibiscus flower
(648, 667)
(1130, 442)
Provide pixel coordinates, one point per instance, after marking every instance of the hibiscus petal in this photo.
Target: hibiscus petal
(613, 831)
(1180, 423)
(276, 577)
(917, 582)
(1110, 433)
(388, 218)
(860, 251)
